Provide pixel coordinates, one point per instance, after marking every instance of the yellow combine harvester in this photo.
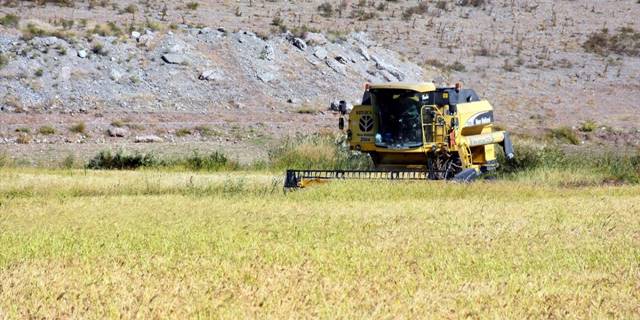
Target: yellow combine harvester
(417, 131)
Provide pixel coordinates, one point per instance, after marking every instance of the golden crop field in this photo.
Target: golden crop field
(162, 244)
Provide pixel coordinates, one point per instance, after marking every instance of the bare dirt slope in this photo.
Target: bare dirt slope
(172, 69)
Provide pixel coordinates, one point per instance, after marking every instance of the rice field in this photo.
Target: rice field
(160, 244)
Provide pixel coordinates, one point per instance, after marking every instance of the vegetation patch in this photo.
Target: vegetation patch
(79, 127)
(588, 126)
(23, 138)
(534, 158)
(10, 20)
(4, 60)
(565, 134)
(626, 41)
(183, 132)
(214, 161)
(121, 160)
(153, 244)
(316, 151)
(46, 130)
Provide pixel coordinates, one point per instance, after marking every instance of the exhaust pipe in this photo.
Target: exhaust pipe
(501, 137)
(507, 146)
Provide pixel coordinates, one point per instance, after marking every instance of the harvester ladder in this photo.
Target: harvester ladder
(439, 129)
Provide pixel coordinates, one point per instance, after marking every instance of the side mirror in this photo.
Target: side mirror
(342, 106)
(341, 123)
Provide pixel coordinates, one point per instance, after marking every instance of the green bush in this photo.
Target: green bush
(23, 138)
(47, 130)
(326, 9)
(183, 132)
(3, 61)
(131, 9)
(565, 134)
(531, 157)
(617, 167)
(121, 160)
(588, 126)
(205, 131)
(68, 162)
(192, 5)
(10, 20)
(614, 166)
(98, 48)
(212, 162)
(79, 127)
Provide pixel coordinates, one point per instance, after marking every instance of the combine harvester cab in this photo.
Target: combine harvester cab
(418, 131)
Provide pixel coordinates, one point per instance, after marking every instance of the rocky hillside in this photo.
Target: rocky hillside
(235, 75)
(191, 69)
(183, 85)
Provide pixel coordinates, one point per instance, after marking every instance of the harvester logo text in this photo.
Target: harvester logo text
(366, 123)
(480, 118)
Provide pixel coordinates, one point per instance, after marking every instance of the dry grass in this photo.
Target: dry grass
(174, 245)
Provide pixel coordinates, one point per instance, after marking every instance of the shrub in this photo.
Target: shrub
(68, 162)
(23, 130)
(531, 156)
(625, 42)
(192, 5)
(131, 9)
(615, 167)
(10, 20)
(588, 126)
(183, 132)
(363, 15)
(98, 48)
(61, 50)
(325, 9)
(421, 8)
(457, 66)
(307, 109)
(46, 130)
(39, 72)
(32, 31)
(205, 131)
(471, 3)
(625, 168)
(277, 21)
(211, 162)
(435, 63)
(118, 123)
(114, 29)
(23, 138)
(121, 160)
(565, 134)
(79, 127)
(3, 61)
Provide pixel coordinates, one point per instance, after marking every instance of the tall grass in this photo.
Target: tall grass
(610, 166)
(156, 244)
(316, 151)
(322, 151)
